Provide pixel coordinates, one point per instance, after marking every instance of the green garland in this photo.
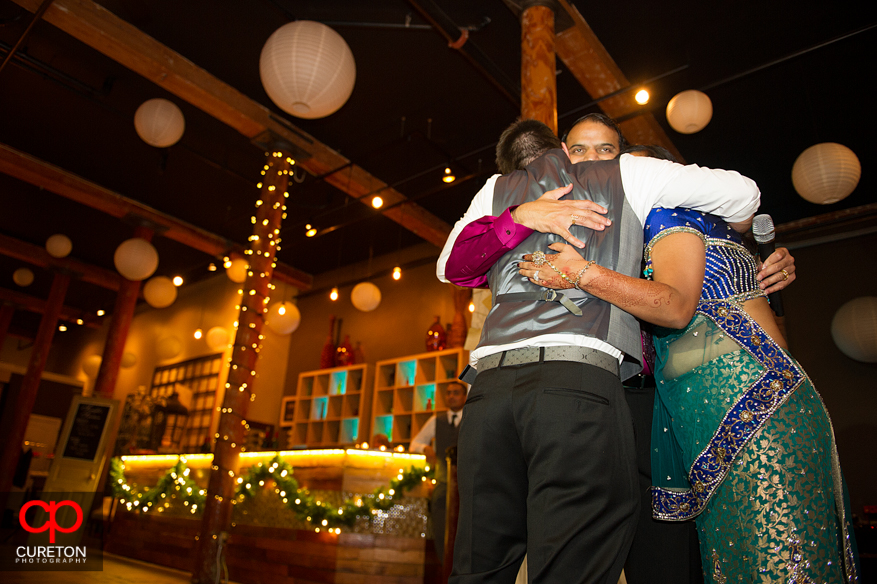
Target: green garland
(176, 483)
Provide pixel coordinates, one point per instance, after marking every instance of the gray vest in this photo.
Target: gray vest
(618, 247)
(445, 437)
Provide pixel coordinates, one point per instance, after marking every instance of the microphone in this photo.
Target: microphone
(763, 230)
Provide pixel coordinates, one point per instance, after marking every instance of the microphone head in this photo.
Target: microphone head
(762, 228)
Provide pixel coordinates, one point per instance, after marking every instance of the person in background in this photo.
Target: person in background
(437, 435)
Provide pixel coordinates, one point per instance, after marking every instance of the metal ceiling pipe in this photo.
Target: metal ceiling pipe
(37, 15)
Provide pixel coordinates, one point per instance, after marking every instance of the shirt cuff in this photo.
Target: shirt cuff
(509, 233)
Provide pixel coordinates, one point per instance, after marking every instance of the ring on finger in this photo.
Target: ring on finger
(536, 277)
(785, 275)
(538, 258)
(574, 219)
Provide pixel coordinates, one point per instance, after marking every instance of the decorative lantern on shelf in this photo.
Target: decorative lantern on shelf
(159, 122)
(689, 111)
(168, 424)
(854, 329)
(307, 69)
(136, 259)
(436, 338)
(826, 173)
(59, 246)
(365, 296)
(160, 292)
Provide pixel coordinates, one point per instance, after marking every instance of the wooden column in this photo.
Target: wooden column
(538, 64)
(270, 211)
(123, 314)
(6, 312)
(27, 396)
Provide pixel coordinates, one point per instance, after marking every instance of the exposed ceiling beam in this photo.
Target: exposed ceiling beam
(100, 29)
(44, 175)
(31, 304)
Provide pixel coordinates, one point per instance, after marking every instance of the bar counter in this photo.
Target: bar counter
(268, 540)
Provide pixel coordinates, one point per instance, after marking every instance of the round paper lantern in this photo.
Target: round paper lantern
(826, 173)
(217, 338)
(283, 317)
(128, 360)
(159, 122)
(59, 246)
(365, 296)
(23, 277)
(160, 292)
(307, 69)
(854, 329)
(689, 111)
(168, 348)
(91, 365)
(237, 271)
(136, 259)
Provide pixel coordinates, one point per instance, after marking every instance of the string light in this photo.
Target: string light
(449, 176)
(333, 295)
(101, 312)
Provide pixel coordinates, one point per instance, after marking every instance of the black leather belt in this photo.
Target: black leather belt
(524, 355)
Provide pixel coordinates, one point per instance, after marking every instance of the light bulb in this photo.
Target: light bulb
(198, 333)
(178, 281)
(642, 97)
(333, 295)
(377, 202)
(397, 273)
(471, 307)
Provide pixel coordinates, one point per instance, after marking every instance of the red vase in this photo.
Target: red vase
(327, 357)
(436, 339)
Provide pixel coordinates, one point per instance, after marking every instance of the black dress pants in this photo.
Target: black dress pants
(547, 468)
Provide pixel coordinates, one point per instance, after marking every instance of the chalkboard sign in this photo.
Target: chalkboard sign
(86, 431)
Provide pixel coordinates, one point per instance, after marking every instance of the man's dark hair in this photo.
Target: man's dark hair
(652, 150)
(600, 119)
(522, 143)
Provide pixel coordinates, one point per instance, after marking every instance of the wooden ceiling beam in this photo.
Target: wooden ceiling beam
(100, 29)
(586, 57)
(22, 301)
(44, 175)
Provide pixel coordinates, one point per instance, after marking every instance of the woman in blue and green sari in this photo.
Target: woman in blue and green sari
(741, 441)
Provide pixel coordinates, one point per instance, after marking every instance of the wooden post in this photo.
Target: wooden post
(123, 314)
(270, 211)
(6, 312)
(538, 64)
(27, 396)
(451, 514)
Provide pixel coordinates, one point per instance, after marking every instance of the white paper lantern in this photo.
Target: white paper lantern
(160, 292)
(307, 69)
(128, 360)
(59, 246)
(689, 111)
(23, 277)
(237, 270)
(826, 173)
(159, 122)
(854, 329)
(136, 259)
(217, 338)
(91, 366)
(168, 348)
(365, 296)
(283, 317)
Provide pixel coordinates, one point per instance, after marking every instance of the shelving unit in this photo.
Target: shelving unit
(330, 406)
(409, 390)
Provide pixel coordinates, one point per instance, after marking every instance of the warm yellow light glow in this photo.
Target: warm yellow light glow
(311, 232)
(642, 97)
(449, 176)
(377, 202)
(226, 264)
(198, 333)
(211, 267)
(101, 312)
(282, 310)
(471, 307)
(62, 328)
(333, 295)
(397, 273)
(79, 321)
(178, 281)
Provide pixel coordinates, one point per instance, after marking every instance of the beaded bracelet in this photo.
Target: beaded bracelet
(582, 271)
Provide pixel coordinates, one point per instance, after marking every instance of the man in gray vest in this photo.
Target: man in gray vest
(547, 465)
(441, 428)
